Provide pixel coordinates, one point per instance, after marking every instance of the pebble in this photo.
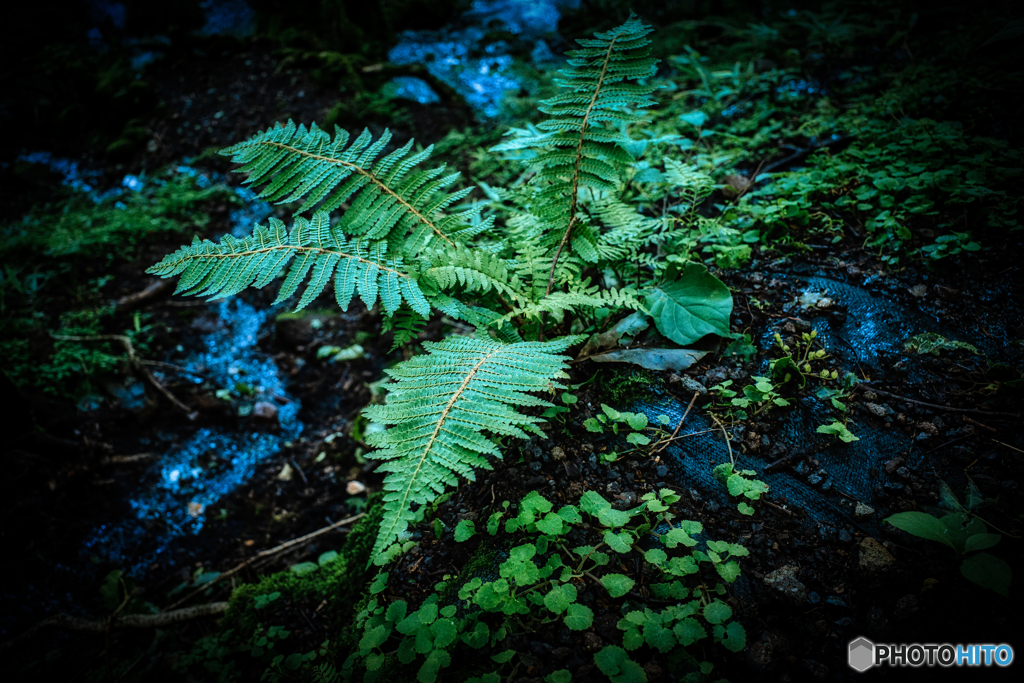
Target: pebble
(662, 471)
(876, 410)
(689, 384)
(784, 581)
(265, 411)
(874, 557)
(918, 291)
(354, 488)
(557, 454)
(844, 536)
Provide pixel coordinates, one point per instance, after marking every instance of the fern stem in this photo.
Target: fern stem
(372, 178)
(296, 248)
(574, 192)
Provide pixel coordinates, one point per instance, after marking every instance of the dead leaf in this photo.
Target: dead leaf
(653, 359)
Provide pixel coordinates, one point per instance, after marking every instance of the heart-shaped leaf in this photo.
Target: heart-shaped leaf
(695, 305)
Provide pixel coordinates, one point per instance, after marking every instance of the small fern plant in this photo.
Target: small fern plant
(391, 229)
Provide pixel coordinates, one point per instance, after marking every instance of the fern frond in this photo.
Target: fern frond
(319, 253)
(579, 146)
(406, 324)
(438, 409)
(389, 198)
(474, 270)
(557, 304)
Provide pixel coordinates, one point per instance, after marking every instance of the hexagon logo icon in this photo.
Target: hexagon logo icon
(861, 655)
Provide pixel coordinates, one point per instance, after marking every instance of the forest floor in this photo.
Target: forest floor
(90, 484)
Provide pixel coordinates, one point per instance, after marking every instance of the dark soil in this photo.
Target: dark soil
(61, 476)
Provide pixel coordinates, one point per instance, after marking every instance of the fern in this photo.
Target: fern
(406, 324)
(576, 149)
(439, 406)
(404, 238)
(320, 252)
(390, 199)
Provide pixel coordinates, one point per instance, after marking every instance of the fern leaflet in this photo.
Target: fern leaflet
(389, 198)
(319, 253)
(439, 407)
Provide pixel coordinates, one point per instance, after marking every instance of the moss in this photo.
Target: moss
(340, 582)
(626, 388)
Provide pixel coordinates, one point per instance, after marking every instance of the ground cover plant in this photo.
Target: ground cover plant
(664, 364)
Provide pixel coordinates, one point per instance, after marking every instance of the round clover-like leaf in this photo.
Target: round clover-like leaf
(717, 612)
(695, 305)
(464, 530)
(617, 584)
(578, 617)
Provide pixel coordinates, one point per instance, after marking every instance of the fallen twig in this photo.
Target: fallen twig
(678, 425)
(137, 364)
(268, 553)
(155, 289)
(937, 406)
(168, 618)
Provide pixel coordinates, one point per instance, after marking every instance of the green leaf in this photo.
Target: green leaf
(592, 502)
(619, 542)
(922, 525)
(636, 421)
(988, 571)
(571, 514)
(551, 524)
(695, 305)
(464, 530)
(733, 637)
(374, 638)
(656, 556)
(617, 584)
(396, 611)
(304, 568)
(682, 566)
(592, 425)
(676, 537)
(744, 509)
(659, 637)
(504, 656)
(493, 522)
(477, 638)
(445, 632)
(717, 612)
(981, 541)
(327, 558)
(613, 518)
(729, 571)
(616, 665)
(559, 598)
(436, 660)
(689, 631)
(638, 439)
(578, 617)
(560, 676)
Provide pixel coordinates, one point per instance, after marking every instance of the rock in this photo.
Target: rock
(784, 581)
(689, 383)
(874, 557)
(918, 291)
(862, 512)
(592, 641)
(752, 441)
(557, 454)
(893, 464)
(876, 410)
(928, 428)
(286, 473)
(265, 411)
(716, 376)
(825, 303)
(354, 488)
